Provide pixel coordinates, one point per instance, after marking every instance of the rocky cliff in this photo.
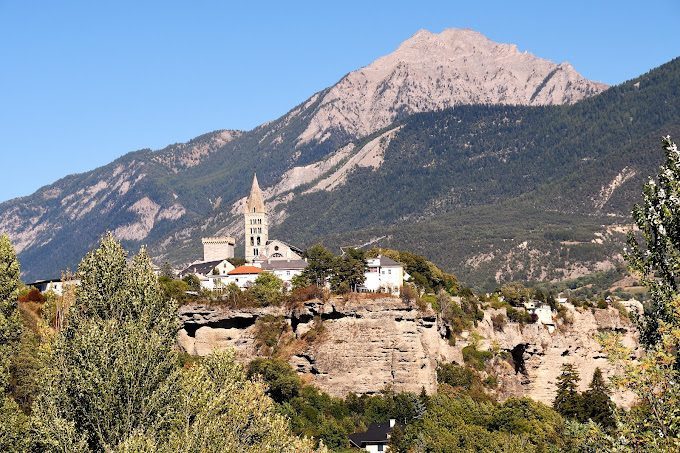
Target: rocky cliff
(365, 345)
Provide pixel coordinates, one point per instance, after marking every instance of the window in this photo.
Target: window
(277, 255)
(258, 240)
(256, 252)
(381, 448)
(252, 240)
(276, 248)
(253, 209)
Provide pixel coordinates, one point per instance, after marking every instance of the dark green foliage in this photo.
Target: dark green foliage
(475, 358)
(266, 290)
(282, 380)
(174, 289)
(568, 401)
(348, 271)
(519, 315)
(597, 405)
(320, 264)
(424, 273)
(193, 282)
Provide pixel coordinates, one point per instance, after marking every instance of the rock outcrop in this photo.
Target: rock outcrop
(368, 344)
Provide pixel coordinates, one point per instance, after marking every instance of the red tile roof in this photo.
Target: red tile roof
(241, 270)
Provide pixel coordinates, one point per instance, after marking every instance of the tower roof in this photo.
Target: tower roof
(255, 202)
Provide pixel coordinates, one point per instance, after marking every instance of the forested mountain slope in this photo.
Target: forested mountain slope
(489, 191)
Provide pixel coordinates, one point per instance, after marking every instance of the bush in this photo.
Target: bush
(498, 321)
(455, 375)
(520, 316)
(282, 380)
(33, 295)
(476, 358)
(268, 331)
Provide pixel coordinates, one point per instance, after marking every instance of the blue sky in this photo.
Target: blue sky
(82, 83)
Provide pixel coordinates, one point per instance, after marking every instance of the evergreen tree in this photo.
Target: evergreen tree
(568, 400)
(320, 264)
(597, 405)
(167, 270)
(348, 271)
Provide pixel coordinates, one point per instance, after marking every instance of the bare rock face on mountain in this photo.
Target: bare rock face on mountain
(435, 71)
(364, 345)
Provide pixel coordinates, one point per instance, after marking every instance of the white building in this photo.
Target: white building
(56, 285)
(212, 274)
(284, 269)
(383, 275)
(244, 276)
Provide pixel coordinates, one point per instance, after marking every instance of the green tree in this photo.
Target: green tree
(111, 373)
(656, 258)
(167, 270)
(597, 405)
(193, 282)
(114, 380)
(13, 423)
(267, 289)
(348, 271)
(10, 322)
(654, 424)
(320, 264)
(567, 400)
(282, 381)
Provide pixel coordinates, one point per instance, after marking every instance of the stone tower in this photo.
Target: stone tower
(256, 223)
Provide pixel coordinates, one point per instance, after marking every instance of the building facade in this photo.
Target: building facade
(256, 224)
(218, 248)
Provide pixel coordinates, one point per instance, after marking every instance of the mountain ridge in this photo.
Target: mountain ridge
(170, 206)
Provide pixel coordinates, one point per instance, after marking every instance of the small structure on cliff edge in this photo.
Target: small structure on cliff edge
(376, 437)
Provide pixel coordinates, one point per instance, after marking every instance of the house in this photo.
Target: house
(375, 439)
(383, 274)
(284, 269)
(542, 312)
(211, 274)
(244, 276)
(56, 285)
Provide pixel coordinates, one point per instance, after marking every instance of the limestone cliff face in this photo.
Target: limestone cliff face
(366, 345)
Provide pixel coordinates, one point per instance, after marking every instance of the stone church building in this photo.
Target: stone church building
(258, 247)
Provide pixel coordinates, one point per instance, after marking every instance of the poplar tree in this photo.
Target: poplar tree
(13, 423)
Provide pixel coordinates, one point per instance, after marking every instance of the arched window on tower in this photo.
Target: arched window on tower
(258, 240)
(252, 240)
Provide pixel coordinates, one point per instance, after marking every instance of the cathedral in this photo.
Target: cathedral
(258, 247)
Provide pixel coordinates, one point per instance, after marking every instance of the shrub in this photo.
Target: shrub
(476, 358)
(498, 321)
(520, 316)
(268, 331)
(455, 375)
(282, 380)
(33, 295)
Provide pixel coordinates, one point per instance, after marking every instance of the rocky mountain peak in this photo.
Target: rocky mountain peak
(434, 71)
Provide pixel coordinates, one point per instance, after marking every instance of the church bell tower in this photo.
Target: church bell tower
(256, 223)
